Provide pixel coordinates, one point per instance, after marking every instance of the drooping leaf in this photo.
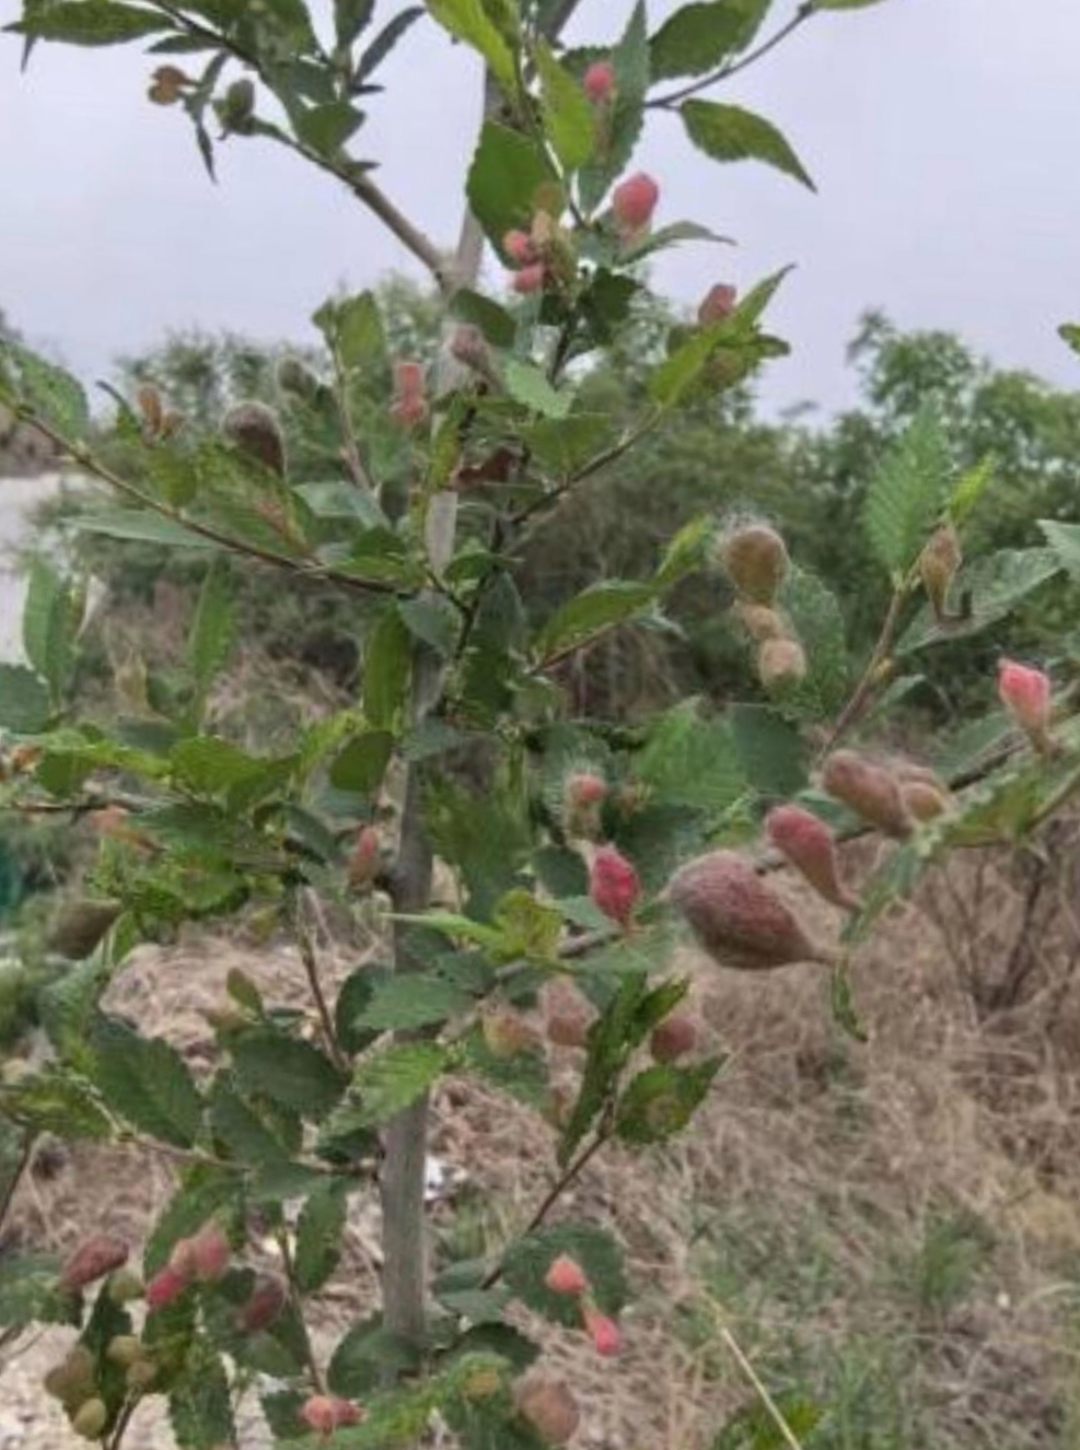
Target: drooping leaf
(24, 700)
(496, 324)
(52, 616)
(730, 133)
(590, 613)
(143, 527)
(362, 764)
(146, 1081)
(213, 630)
(319, 1231)
(387, 665)
(55, 1102)
(364, 1358)
(287, 1071)
(697, 37)
(506, 173)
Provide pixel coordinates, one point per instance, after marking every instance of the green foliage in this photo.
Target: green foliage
(514, 535)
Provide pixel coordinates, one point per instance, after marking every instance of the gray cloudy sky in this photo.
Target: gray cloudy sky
(942, 135)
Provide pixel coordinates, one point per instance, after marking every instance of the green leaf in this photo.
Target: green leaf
(387, 667)
(362, 764)
(385, 41)
(52, 616)
(30, 1294)
(506, 172)
(386, 1084)
(200, 1402)
(287, 1071)
(366, 1356)
(592, 612)
(496, 324)
(25, 707)
(208, 765)
(523, 1076)
(994, 585)
(468, 21)
(695, 39)
(326, 128)
(410, 1000)
(91, 22)
(660, 1101)
(568, 117)
(486, 837)
(146, 1081)
(1069, 332)
(842, 1001)
(908, 493)
(435, 622)
(52, 395)
(730, 133)
(351, 18)
(353, 327)
(241, 1130)
(527, 384)
(530, 928)
(772, 752)
(969, 488)
(691, 761)
(55, 1102)
(213, 630)
(528, 1260)
(319, 1231)
(143, 527)
(819, 626)
(204, 1190)
(356, 995)
(1064, 539)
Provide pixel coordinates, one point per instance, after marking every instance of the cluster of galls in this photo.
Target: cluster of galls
(567, 1278)
(202, 1258)
(756, 561)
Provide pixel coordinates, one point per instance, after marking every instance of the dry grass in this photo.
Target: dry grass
(891, 1229)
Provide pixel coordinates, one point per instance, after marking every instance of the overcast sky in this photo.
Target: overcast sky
(942, 134)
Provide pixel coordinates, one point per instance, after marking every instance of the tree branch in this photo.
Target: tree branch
(854, 708)
(311, 970)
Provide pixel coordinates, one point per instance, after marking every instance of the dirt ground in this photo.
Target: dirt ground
(894, 1226)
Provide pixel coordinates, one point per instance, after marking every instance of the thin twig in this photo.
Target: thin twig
(854, 708)
(122, 1422)
(568, 1176)
(311, 968)
(296, 1299)
(722, 73)
(22, 1163)
(86, 460)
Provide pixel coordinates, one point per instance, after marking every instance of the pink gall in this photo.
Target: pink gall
(634, 201)
(163, 1288)
(614, 885)
(566, 1276)
(518, 246)
(93, 1259)
(738, 919)
(603, 1331)
(598, 82)
(808, 844)
(718, 303)
(1025, 693)
(870, 790)
(530, 278)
